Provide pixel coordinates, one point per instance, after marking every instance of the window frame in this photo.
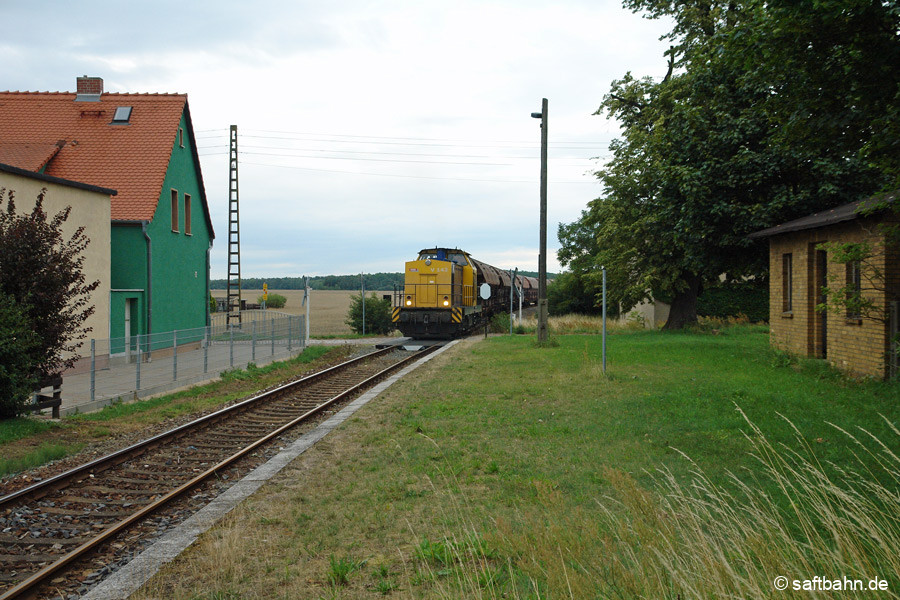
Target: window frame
(787, 283)
(174, 196)
(187, 214)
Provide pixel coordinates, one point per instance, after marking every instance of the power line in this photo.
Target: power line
(417, 154)
(529, 181)
(409, 141)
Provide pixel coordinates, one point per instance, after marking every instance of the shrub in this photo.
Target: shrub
(274, 301)
(750, 298)
(378, 315)
(41, 269)
(18, 358)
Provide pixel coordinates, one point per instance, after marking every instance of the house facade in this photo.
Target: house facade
(143, 146)
(801, 266)
(91, 210)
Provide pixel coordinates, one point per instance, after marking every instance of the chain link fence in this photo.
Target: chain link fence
(143, 365)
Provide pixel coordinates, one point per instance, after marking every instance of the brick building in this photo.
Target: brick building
(799, 269)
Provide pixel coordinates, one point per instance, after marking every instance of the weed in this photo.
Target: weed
(45, 453)
(385, 586)
(341, 568)
(439, 553)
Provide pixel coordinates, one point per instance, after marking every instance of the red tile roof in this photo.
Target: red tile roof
(27, 155)
(130, 158)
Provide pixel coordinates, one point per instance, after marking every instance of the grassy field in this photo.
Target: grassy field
(328, 308)
(700, 465)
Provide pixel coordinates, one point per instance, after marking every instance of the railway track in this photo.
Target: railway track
(54, 525)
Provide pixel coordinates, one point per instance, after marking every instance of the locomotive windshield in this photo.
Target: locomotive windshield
(456, 257)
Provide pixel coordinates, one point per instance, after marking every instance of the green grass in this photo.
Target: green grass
(507, 470)
(44, 454)
(22, 427)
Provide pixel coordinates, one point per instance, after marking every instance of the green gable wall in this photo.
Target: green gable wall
(178, 296)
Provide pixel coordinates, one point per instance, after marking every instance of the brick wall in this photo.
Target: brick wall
(858, 346)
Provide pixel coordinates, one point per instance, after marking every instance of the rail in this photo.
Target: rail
(93, 470)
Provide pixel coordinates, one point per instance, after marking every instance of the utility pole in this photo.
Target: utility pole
(362, 290)
(542, 332)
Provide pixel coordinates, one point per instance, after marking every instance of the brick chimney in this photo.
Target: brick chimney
(89, 88)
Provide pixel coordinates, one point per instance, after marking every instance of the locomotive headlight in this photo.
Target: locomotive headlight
(446, 301)
(408, 301)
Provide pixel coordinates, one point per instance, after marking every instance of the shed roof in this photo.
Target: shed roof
(4, 168)
(838, 214)
(76, 140)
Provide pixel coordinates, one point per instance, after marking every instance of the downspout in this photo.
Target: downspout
(208, 318)
(149, 279)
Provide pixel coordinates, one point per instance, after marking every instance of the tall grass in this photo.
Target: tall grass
(697, 539)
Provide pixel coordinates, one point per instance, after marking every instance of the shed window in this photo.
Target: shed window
(854, 289)
(787, 283)
(175, 211)
(187, 214)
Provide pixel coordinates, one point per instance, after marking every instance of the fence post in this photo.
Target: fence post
(253, 345)
(93, 368)
(273, 337)
(137, 385)
(231, 346)
(175, 355)
(207, 332)
(290, 334)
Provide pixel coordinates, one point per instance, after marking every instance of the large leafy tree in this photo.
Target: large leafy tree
(769, 110)
(41, 272)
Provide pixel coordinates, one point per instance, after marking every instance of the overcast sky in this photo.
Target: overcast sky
(367, 129)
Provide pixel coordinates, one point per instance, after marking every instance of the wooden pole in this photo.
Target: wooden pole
(543, 332)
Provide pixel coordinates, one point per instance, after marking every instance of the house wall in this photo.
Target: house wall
(129, 279)
(180, 296)
(858, 346)
(90, 210)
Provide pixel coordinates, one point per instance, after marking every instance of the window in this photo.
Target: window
(175, 211)
(854, 290)
(187, 214)
(181, 136)
(787, 283)
(122, 115)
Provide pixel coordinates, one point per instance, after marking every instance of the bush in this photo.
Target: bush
(274, 301)
(378, 315)
(18, 358)
(750, 298)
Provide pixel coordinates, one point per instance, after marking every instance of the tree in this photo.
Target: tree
(733, 139)
(378, 315)
(18, 358)
(41, 271)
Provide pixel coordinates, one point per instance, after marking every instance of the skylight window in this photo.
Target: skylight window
(122, 115)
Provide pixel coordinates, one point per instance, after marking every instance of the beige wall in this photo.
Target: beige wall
(653, 312)
(858, 346)
(90, 210)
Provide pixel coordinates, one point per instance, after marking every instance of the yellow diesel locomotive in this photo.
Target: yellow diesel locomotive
(441, 295)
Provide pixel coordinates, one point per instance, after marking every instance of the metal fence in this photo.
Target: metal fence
(142, 365)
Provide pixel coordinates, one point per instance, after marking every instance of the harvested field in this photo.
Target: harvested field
(328, 308)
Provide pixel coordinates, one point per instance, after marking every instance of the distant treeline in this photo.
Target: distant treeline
(374, 281)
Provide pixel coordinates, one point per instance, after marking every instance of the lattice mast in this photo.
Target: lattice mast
(234, 235)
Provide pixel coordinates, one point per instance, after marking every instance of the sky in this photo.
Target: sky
(367, 130)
